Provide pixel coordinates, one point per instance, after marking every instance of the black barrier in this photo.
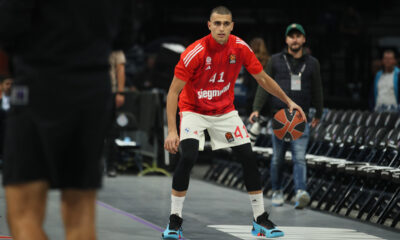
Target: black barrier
(144, 120)
(353, 161)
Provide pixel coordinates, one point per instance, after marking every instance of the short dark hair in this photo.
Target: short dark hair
(389, 51)
(221, 10)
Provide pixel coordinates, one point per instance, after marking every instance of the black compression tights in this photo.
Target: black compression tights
(245, 155)
(189, 153)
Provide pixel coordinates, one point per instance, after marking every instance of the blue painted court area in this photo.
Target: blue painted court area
(131, 207)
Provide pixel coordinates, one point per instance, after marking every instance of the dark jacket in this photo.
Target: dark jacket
(311, 86)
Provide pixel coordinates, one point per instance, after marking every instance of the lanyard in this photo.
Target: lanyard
(290, 70)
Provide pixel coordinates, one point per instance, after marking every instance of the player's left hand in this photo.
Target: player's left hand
(293, 106)
(119, 100)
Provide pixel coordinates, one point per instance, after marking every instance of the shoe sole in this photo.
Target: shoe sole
(302, 202)
(268, 234)
(171, 237)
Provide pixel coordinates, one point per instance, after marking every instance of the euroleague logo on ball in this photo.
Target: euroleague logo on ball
(288, 126)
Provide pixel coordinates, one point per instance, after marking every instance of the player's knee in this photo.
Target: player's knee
(245, 155)
(187, 162)
(243, 150)
(189, 152)
(252, 177)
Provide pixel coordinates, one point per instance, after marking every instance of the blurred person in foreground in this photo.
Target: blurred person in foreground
(60, 106)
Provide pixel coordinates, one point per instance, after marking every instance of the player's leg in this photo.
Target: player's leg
(78, 212)
(180, 183)
(82, 170)
(228, 130)
(279, 150)
(191, 136)
(298, 148)
(111, 151)
(25, 175)
(26, 207)
(262, 226)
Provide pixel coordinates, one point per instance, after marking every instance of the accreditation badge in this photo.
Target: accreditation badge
(295, 82)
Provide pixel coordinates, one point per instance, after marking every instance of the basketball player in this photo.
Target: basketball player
(60, 105)
(298, 74)
(206, 75)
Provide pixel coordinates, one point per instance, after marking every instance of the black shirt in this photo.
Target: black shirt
(315, 88)
(60, 48)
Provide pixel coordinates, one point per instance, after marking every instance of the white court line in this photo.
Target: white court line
(299, 233)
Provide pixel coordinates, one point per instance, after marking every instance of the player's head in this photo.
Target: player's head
(389, 60)
(295, 37)
(220, 24)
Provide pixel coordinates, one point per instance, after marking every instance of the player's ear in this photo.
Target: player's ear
(209, 25)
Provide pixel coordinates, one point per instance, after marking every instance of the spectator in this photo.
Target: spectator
(260, 50)
(5, 85)
(386, 84)
(117, 72)
(298, 73)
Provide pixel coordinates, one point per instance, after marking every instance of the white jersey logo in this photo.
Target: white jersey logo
(208, 60)
(210, 94)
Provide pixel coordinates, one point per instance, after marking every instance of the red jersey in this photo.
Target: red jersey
(210, 71)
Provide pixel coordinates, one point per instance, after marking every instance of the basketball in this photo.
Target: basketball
(288, 126)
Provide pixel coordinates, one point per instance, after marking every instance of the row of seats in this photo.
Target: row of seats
(353, 166)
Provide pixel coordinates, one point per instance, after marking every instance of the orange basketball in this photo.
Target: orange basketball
(288, 126)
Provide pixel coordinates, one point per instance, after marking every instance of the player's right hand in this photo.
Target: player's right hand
(171, 143)
(253, 116)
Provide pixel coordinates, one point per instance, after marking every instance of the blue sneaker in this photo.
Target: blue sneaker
(174, 228)
(302, 199)
(263, 227)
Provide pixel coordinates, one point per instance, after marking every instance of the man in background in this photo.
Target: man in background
(386, 84)
(298, 74)
(117, 72)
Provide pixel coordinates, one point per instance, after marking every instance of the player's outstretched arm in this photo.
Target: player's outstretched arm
(272, 87)
(171, 143)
